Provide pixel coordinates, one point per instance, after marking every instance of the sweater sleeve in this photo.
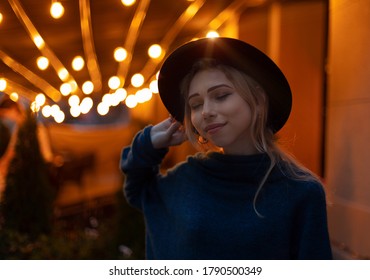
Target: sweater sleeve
(140, 163)
(313, 241)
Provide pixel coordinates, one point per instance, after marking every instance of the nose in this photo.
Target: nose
(208, 110)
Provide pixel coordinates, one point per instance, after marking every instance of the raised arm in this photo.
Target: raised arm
(140, 162)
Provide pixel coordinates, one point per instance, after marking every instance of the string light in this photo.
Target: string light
(87, 87)
(131, 101)
(63, 74)
(78, 63)
(212, 34)
(65, 89)
(103, 109)
(42, 62)
(120, 94)
(120, 54)
(114, 82)
(56, 10)
(46, 111)
(40, 99)
(128, 2)
(155, 51)
(14, 96)
(75, 111)
(154, 86)
(143, 95)
(73, 100)
(137, 80)
(39, 42)
(86, 105)
(3, 84)
(59, 117)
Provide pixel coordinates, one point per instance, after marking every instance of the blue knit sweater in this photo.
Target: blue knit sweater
(203, 208)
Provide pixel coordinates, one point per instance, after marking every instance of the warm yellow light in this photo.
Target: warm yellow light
(86, 105)
(40, 99)
(46, 111)
(87, 87)
(137, 80)
(65, 89)
(120, 94)
(154, 86)
(78, 63)
(131, 101)
(103, 109)
(107, 99)
(115, 98)
(14, 96)
(42, 62)
(73, 85)
(56, 10)
(212, 34)
(39, 42)
(54, 109)
(75, 111)
(155, 51)
(59, 117)
(1, 17)
(63, 74)
(128, 2)
(34, 108)
(73, 100)
(114, 82)
(120, 54)
(144, 95)
(3, 84)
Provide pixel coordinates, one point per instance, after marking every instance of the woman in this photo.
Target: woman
(241, 197)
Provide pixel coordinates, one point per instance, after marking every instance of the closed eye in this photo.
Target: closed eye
(195, 105)
(222, 97)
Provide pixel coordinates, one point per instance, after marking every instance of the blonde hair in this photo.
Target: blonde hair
(263, 138)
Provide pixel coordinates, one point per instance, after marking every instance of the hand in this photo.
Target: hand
(167, 133)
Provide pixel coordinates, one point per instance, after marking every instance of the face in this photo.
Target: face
(219, 113)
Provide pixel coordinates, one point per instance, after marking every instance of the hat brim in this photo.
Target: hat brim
(232, 52)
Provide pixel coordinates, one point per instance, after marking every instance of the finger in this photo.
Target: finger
(174, 127)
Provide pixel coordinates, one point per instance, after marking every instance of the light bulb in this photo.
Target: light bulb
(56, 10)
(128, 2)
(42, 62)
(137, 80)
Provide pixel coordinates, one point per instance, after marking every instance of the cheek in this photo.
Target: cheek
(195, 120)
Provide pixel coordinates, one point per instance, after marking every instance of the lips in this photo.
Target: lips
(213, 128)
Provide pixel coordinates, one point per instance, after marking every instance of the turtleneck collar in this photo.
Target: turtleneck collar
(245, 168)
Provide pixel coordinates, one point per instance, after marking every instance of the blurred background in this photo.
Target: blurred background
(78, 80)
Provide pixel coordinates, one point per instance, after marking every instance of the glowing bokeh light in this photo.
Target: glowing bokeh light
(73, 100)
(120, 54)
(128, 2)
(131, 101)
(3, 84)
(114, 82)
(137, 80)
(87, 87)
(42, 62)
(56, 10)
(155, 51)
(78, 63)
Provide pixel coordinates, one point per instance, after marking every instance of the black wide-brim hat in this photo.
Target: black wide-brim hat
(236, 53)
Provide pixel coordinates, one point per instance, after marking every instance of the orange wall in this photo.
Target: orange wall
(294, 35)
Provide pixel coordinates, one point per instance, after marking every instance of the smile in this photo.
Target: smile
(213, 128)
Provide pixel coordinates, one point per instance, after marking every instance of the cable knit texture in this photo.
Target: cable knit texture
(203, 208)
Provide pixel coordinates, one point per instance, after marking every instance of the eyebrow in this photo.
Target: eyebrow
(209, 90)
